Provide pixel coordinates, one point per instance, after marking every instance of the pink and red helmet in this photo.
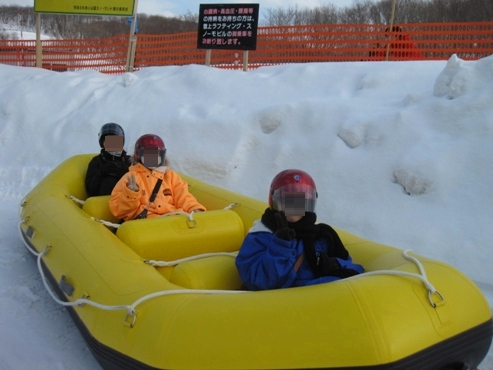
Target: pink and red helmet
(149, 141)
(287, 190)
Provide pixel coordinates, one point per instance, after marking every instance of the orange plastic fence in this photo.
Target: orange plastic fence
(275, 45)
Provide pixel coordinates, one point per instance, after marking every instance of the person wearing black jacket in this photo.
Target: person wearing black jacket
(105, 169)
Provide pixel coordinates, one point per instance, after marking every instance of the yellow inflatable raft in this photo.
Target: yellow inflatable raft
(163, 293)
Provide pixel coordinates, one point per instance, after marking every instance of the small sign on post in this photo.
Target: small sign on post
(228, 26)
(89, 7)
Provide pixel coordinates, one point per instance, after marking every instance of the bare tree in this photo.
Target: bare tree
(379, 12)
(280, 16)
(154, 24)
(357, 14)
(70, 26)
(324, 15)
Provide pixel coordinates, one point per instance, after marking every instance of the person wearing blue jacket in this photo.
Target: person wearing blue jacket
(286, 247)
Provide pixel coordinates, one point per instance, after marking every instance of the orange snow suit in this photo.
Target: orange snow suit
(173, 195)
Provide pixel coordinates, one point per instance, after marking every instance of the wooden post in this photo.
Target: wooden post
(39, 47)
(390, 29)
(132, 42)
(245, 60)
(208, 53)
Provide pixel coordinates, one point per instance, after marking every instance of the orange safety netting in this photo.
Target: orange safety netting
(275, 45)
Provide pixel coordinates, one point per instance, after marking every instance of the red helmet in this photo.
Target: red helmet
(288, 182)
(149, 141)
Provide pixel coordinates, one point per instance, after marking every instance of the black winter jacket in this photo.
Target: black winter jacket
(104, 171)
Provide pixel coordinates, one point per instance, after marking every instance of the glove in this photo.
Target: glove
(330, 266)
(327, 264)
(132, 185)
(345, 273)
(283, 231)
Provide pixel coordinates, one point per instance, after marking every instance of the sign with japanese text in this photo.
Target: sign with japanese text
(92, 7)
(228, 26)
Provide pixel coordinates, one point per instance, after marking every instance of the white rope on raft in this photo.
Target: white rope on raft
(186, 259)
(130, 309)
(188, 215)
(421, 276)
(106, 223)
(76, 200)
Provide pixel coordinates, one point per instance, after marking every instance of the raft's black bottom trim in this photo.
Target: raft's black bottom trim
(465, 351)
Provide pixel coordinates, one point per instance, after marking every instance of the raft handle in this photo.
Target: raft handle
(433, 304)
(30, 232)
(133, 315)
(85, 297)
(192, 223)
(65, 287)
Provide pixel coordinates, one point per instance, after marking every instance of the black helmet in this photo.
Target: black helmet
(110, 129)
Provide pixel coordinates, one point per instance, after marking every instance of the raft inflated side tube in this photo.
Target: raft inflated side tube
(192, 316)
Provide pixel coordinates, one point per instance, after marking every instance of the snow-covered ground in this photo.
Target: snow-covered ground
(15, 33)
(402, 153)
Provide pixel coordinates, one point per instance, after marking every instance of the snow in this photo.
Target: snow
(15, 33)
(401, 153)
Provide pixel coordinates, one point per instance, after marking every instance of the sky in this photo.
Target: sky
(181, 7)
(401, 153)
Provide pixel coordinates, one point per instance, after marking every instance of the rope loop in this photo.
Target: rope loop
(434, 304)
(191, 222)
(421, 276)
(130, 314)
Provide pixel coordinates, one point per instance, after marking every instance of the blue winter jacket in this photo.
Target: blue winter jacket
(266, 261)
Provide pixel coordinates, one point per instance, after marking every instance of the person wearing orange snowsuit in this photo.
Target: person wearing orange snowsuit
(131, 195)
(404, 47)
(401, 47)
